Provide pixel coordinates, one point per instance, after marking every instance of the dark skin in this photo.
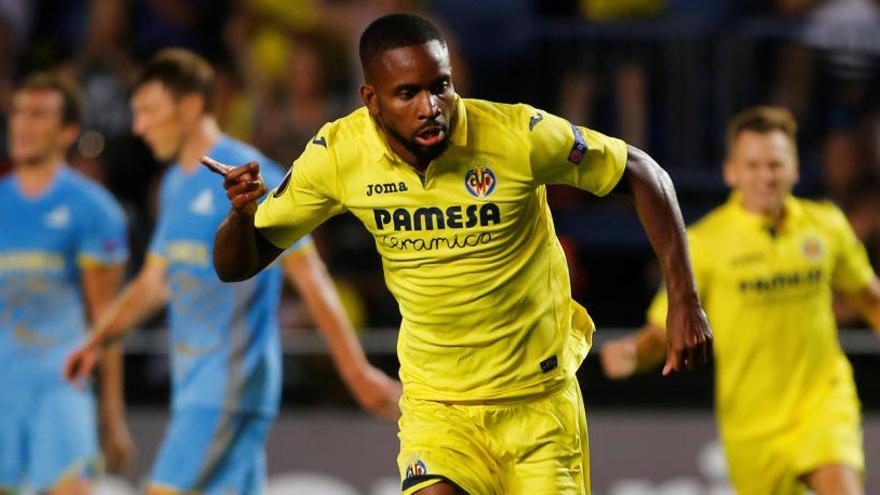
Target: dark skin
(409, 93)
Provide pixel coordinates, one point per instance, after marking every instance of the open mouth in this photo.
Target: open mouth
(430, 136)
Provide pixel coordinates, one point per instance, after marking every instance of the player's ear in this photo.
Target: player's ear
(370, 98)
(730, 176)
(192, 106)
(69, 133)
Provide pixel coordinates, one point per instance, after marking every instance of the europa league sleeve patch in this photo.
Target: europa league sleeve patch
(283, 186)
(578, 148)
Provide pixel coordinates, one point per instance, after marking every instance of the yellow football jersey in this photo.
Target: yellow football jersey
(469, 249)
(768, 298)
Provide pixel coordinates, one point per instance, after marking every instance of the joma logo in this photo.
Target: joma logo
(388, 187)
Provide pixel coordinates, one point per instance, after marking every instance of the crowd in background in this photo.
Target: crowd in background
(665, 75)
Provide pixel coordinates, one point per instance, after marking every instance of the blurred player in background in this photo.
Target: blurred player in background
(226, 357)
(766, 264)
(63, 250)
(453, 190)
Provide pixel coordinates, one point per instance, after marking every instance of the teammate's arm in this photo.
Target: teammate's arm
(867, 302)
(372, 388)
(143, 297)
(100, 284)
(634, 353)
(240, 251)
(853, 275)
(689, 338)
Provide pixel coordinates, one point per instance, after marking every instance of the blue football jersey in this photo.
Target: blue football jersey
(224, 336)
(44, 243)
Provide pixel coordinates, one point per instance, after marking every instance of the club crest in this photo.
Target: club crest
(813, 249)
(480, 181)
(416, 469)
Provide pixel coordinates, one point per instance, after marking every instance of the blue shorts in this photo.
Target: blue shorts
(47, 438)
(213, 452)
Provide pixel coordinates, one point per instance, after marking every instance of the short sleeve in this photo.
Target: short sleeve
(563, 153)
(158, 243)
(852, 270)
(104, 240)
(306, 197)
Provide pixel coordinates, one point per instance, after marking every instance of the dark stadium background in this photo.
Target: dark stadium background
(664, 75)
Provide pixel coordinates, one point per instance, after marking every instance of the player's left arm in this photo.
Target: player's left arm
(100, 284)
(563, 153)
(688, 333)
(867, 302)
(374, 390)
(853, 275)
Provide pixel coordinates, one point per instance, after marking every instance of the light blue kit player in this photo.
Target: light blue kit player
(63, 247)
(226, 355)
(225, 348)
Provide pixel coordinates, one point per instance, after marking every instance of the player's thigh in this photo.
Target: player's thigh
(208, 451)
(835, 479)
(441, 445)
(62, 442)
(831, 432)
(555, 454)
(762, 466)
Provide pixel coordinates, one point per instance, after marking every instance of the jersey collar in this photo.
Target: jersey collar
(793, 212)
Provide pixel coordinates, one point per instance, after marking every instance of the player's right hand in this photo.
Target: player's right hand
(244, 185)
(81, 362)
(619, 359)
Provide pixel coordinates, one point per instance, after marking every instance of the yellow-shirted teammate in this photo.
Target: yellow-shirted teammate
(453, 191)
(766, 264)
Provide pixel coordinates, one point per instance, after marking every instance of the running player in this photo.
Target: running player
(453, 190)
(63, 250)
(224, 337)
(766, 264)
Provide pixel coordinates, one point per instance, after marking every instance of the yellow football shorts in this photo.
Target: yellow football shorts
(830, 433)
(527, 447)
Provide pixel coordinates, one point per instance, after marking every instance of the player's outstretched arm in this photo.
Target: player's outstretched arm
(688, 333)
(634, 353)
(240, 251)
(142, 298)
(373, 389)
(99, 287)
(867, 302)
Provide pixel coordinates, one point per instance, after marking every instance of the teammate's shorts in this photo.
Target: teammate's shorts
(48, 438)
(830, 433)
(513, 448)
(209, 451)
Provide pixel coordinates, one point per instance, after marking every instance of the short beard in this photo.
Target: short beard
(424, 154)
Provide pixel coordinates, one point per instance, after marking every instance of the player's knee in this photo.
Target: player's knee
(442, 488)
